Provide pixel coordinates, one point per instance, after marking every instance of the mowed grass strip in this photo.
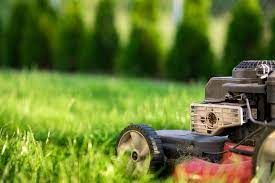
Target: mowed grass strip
(63, 128)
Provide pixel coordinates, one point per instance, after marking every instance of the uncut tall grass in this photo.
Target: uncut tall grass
(63, 128)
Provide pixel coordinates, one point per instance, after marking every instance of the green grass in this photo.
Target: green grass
(63, 128)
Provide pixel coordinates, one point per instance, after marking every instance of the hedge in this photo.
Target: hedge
(69, 41)
(141, 56)
(244, 35)
(14, 32)
(101, 49)
(191, 56)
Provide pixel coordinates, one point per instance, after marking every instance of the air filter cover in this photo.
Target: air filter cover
(247, 68)
(210, 119)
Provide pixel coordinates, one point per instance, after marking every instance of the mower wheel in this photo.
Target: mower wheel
(264, 157)
(142, 148)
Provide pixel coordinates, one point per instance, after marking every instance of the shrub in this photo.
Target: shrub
(244, 34)
(271, 48)
(141, 55)
(103, 43)
(36, 45)
(44, 6)
(69, 41)
(144, 11)
(191, 55)
(1, 41)
(20, 12)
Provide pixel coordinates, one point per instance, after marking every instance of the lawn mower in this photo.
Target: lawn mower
(232, 135)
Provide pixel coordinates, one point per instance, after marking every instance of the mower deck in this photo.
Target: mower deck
(197, 157)
(232, 168)
(179, 143)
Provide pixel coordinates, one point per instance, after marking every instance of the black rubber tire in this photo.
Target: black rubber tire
(262, 136)
(157, 163)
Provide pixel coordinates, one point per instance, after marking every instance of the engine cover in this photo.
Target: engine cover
(211, 119)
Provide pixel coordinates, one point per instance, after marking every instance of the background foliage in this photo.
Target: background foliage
(191, 55)
(20, 12)
(102, 44)
(69, 40)
(36, 47)
(1, 41)
(245, 33)
(141, 55)
(138, 38)
(271, 48)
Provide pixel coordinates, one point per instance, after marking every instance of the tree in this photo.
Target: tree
(36, 47)
(44, 6)
(141, 56)
(1, 41)
(20, 12)
(70, 35)
(271, 48)
(103, 43)
(244, 34)
(191, 55)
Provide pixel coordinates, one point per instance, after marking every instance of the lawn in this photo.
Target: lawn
(63, 127)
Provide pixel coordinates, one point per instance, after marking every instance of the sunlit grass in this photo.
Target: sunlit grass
(61, 127)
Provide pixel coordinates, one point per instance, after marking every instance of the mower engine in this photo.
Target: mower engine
(235, 120)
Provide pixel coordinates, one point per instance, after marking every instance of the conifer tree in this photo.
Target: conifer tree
(244, 34)
(101, 49)
(36, 50)
(69, 38)
(191, 56)
(271, 49)
(1, 42)
(20, 12)
(141, 56)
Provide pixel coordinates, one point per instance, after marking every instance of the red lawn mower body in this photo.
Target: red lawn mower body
(232, 168)
(232, 132)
